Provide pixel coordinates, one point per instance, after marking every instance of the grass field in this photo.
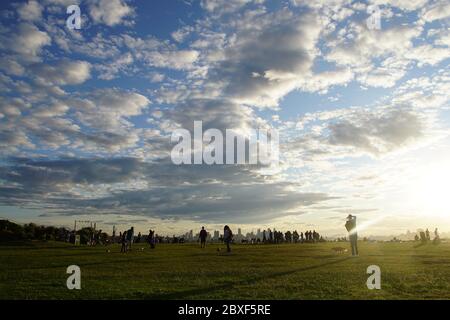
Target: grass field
(184, 271)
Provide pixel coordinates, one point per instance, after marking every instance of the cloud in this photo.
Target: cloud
(376, 133)
(9, 65)
(30, 11)
(111, 70)
(409, 5)
(427, 54)
(109, 12)
(27, 41)
(225, 6)
(267, 60)
(155, 53)
(219, 114)
(361, 44)
(64, 72)
(108, 109)
(181, 59)
(438, 11)
(108, 147)
(352, 132)
(62, 185)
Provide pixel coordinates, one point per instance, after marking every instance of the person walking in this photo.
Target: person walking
(350, 225)
(202, 236)
(227, 237)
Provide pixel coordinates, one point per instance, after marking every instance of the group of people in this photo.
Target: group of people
(267, 237)
(278, 237)
(425, 236)
(127, 238)
(227, 237)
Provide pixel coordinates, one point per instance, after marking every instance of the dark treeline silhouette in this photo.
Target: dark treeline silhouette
(10, 231)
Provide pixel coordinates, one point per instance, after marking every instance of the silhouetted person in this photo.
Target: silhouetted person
(130, 237)
(264, 236)
(350, 225)
(436, 236)
(423, 237)
(138, 239)
(427, 233)
(151, 238)
(202, 236)
(123, 241)
(227, 237)
(295, 236)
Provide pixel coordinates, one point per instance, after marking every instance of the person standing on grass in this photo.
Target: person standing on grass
(350, 225)
(151, 238)
(123, 241)
(130, 237)
(227, 237)
(202, 236)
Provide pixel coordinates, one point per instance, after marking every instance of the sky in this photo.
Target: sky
(362, 111)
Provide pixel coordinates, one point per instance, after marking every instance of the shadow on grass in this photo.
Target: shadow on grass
(188, 294)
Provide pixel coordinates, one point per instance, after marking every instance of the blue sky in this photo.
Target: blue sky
(86, 115)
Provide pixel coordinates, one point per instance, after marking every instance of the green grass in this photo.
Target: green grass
(184, 271)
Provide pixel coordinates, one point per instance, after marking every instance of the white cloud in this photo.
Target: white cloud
(11, 66)
(409, 5)
(111, 70)
(30, 11)
(64, 72)
(377, 133)
(267, 58)
(440, 10)
(156, 77)
(176, 59)
(107, 109)
(362, 44)
(27, 41)
(427, 54)
(225, 6)
(109, 12)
